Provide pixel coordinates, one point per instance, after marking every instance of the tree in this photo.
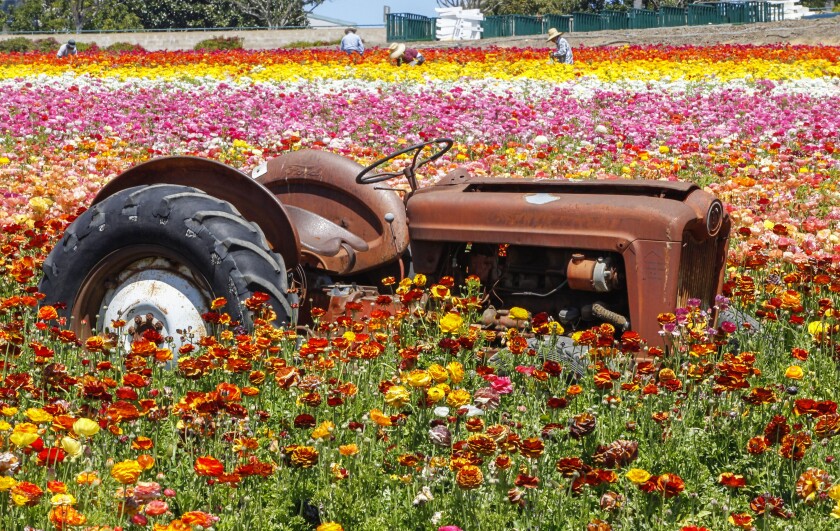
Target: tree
(101, 14)
(164, 14)
(38, 15)
(278, 13)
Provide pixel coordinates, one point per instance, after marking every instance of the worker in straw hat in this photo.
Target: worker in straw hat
(563, 53)
(352, 43)
(403, 55)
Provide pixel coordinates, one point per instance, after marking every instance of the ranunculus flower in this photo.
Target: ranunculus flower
(85, 427)
(794, 372)
(469, 477)
(208, 466)
(518, 314)
(451, 323)
(397, 396)
(126, 472)
(638, 475)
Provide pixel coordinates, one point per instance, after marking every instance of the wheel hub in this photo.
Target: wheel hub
(156, 294)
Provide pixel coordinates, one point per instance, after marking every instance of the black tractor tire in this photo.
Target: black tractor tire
(223, 254)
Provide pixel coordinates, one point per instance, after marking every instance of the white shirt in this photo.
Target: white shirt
(66, 50)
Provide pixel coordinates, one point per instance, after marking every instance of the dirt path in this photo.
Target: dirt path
(806, 31)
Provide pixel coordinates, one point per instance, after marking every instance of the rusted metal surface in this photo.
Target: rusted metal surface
(250, 198)
(670, 238)
(342, 224)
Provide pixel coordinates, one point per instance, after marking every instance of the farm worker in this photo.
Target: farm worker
(405, 55)
(563, 53)
(352, 43)
(67, 49)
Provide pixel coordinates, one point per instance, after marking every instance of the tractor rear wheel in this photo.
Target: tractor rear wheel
(156, 257)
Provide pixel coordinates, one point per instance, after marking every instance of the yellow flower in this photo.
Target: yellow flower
(397, 396)
(419, 280)
(38, 415)
(349, 336)
(323, 430)
(637, 475)
(518, 314)
(329, 526)
(794, 372)
(456, 371)
(9, 411)
(63, 499)
(435, 394)
(71, 446)
(6, 483)
(450, 323)
(419, 378)
(85, 427)
(5, 426)
(22, 439)
(126, 472)
(835, 513)
(664, 149)
(458, 398)
(834, 493)
(438, 373)
(816, 329)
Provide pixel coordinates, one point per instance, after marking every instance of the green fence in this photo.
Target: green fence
(642, 19)
(586, 22)
(671, 16)
(559, 22)
(511, 26)
(701, 15)
(409, 27)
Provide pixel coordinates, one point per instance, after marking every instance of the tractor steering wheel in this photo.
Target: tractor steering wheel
(409, 171)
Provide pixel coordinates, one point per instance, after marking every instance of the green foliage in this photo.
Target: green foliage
(15, 45)
(23, 45)
(220, 43)
(312, 44)
(39, 15)
(162, 14)
(120, 47)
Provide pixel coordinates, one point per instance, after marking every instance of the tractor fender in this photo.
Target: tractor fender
(253, 200)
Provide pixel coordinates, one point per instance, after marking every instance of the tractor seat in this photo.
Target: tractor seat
(320, 235)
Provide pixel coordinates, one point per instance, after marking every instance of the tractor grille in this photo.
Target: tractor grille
(699, 270)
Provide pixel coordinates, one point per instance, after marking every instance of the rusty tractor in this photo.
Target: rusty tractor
(312, 228)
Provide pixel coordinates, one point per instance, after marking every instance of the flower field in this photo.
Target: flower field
(418, 419)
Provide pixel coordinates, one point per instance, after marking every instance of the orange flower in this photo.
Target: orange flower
(199, 518)
(348, 449)
(304, 456)
(757, 445)
(532, 447)
(47, 313)
(26, 494)
(65, 516)
(379, 418)
(126, 472)
(142, 443)
(208, 466)
(469, 477)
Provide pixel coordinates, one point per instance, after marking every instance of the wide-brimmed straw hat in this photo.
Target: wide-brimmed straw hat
(553, 34)
(396, 50)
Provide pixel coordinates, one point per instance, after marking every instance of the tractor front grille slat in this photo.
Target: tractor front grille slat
(699, 272)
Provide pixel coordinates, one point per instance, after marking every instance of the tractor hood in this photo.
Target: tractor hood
(551, 213)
